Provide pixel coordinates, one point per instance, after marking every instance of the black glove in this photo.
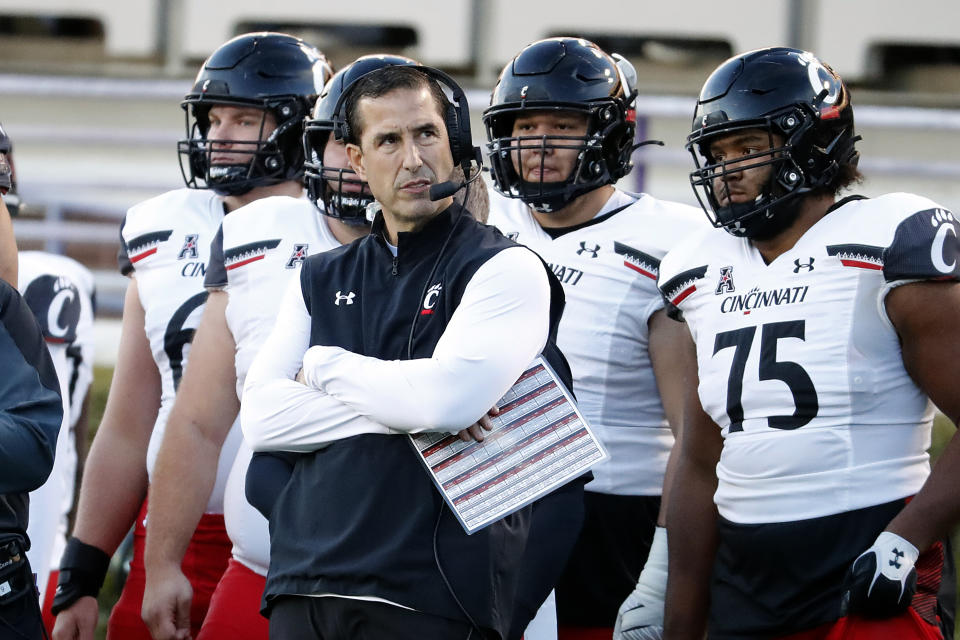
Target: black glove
(882, 580)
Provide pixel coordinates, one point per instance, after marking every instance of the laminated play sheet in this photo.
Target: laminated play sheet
(539, 442)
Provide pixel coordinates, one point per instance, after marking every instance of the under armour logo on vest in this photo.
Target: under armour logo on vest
(583, 247)
(340, 297)
(802, 265)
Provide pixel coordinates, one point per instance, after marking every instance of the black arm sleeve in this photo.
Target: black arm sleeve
(30, 404)
(216, 277)
(123, 256)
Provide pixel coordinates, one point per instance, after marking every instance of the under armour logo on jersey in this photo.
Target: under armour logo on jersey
(726, 281)
(897, 554)
(341, 298)
(513, 235)
(584, 247)
(803, 265)
(189, 248)
(298, 256)
(430, 300)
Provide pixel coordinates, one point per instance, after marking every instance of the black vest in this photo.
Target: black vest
(362, 517)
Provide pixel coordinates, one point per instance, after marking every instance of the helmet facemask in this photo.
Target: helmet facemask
(343, 194)
(606, 137)
(270, 159)
(797, 165)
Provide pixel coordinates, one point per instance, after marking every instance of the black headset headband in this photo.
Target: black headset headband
(457, 118)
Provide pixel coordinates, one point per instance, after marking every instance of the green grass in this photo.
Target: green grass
(943, 430)
(98, 400)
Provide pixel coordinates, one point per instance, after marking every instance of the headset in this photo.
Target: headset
(457, 122)
(464, 153)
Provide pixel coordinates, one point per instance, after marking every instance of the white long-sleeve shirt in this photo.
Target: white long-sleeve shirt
(500, 325)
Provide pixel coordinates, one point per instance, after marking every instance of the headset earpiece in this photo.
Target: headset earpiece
(452, 122)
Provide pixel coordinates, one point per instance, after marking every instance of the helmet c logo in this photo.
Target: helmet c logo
(820, 78)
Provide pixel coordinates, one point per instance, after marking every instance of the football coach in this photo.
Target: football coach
(420, 326)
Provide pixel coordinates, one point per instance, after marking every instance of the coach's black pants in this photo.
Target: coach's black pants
(331, 618)
(20, 619)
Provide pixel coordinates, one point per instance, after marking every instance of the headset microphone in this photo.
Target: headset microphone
(446, 189)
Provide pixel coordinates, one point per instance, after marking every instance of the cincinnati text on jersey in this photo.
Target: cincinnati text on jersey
(565, 274)
(756, 299)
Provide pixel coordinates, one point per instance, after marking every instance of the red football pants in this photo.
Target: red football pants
(203, 565)
(234, 612)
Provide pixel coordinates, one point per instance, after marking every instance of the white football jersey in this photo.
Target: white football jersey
(799, 364)
(608, 268)
(166, 246)
(60, 292)
(261, 246)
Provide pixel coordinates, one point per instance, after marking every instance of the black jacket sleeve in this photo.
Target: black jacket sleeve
(30, 404)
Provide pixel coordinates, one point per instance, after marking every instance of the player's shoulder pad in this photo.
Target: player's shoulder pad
(157, 211)
(149, 223)
(665, 223)
(925, 241)
(266, 213)
(253, 230)
(506, 214)
(55, 302)
(684, 267)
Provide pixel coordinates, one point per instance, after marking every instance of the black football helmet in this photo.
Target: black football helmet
(784, 92)
(275, 72)
(343, 194)
(563, 74)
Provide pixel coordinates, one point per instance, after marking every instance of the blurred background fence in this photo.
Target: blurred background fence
(89, 88)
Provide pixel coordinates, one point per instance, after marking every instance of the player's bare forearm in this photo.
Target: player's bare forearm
(115, 477)
(692, 522)
(184, 476)
(691, 532)
(113, 487)
(935, 510)
(674, 361)
(931, 354)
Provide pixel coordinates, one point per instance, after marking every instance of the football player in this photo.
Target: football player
(259, 249)
(804, 506)
(244, 119)
(561, 126)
